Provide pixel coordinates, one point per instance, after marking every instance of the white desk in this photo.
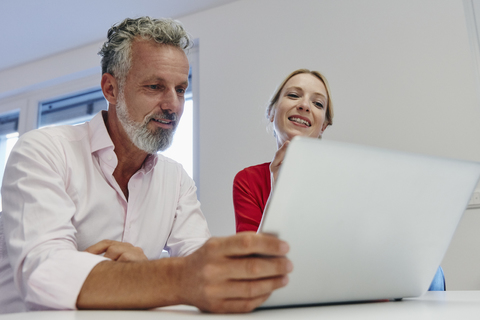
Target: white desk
(462, 305)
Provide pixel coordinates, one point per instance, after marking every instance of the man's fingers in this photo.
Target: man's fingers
(251, 289)
(247, 289)
(99, 247)
(244, 295)
(248, 243)
(260, 267)
(134, 255)
(114, 253)
(124, 251)
(241, 295)
(236, 273)
(117, 251)
(247, 268)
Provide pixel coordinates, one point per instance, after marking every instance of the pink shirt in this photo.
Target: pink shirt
(60, 197)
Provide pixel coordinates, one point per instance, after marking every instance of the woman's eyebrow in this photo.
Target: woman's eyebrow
(320, 94)
(301, 89)
(294, 87)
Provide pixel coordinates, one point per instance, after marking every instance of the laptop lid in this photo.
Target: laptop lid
(364, 223)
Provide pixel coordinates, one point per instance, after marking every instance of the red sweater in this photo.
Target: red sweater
(251, 189)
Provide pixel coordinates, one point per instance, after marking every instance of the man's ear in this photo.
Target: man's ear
(110, 88)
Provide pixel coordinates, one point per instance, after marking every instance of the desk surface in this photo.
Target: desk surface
(463, 305)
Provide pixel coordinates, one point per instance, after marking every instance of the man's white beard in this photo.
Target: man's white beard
(143, 138)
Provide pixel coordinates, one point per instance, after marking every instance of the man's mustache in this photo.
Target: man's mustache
(165, 115)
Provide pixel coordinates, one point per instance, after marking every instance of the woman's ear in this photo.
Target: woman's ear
(110, 88)
(271, 114)
(324, 126)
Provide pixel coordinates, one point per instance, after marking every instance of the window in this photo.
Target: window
(181, 149)
(73, 109)
(8, 138)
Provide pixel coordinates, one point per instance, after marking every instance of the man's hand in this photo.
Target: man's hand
(277, 162)
(225, 275)
(117, 251)
(235, 274)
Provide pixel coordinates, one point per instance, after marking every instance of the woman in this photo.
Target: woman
(301, 106)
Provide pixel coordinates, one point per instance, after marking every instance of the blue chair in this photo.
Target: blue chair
(438, 283)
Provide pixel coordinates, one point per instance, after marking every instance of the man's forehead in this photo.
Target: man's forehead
(157, 59)
(144, 48)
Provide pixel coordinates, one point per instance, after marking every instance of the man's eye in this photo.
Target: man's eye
(153, 86)
(181, 91)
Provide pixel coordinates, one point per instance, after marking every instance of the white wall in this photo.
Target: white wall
(462, 261)
(401, 73)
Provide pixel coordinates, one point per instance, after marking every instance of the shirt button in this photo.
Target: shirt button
(109, 158)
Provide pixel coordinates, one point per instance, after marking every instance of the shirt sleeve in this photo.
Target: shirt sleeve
(48, 269)
(190, 229)
(248, 207)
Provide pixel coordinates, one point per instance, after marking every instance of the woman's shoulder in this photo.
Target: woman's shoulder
(254, 172)
(256, 169)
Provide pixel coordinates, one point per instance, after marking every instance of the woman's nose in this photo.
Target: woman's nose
(303, 105)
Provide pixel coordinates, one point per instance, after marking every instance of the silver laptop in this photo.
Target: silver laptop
(364, 223)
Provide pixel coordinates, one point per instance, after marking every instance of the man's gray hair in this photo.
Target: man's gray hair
(116, 51)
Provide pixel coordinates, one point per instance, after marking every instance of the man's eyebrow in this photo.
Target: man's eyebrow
(160, 79)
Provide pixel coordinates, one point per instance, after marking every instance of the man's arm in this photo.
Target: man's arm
(232, 274)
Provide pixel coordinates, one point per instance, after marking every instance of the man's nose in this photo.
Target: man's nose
(170, 101)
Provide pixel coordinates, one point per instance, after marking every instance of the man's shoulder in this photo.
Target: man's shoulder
(168, 165)
(67, 132)
(167, 161)
(63, 132)
(53, 140)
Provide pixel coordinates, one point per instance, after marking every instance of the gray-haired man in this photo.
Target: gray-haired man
(74, 193)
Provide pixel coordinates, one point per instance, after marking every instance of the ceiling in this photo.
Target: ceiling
(33, 29)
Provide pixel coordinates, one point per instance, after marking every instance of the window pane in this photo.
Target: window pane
(182, 145)
(8, 138)
(73, 109)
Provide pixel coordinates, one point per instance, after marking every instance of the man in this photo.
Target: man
(67, 189)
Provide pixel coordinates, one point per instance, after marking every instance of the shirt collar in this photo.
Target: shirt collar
(100, 139)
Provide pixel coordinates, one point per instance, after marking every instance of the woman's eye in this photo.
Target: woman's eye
(318, 105)
(292, 95)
